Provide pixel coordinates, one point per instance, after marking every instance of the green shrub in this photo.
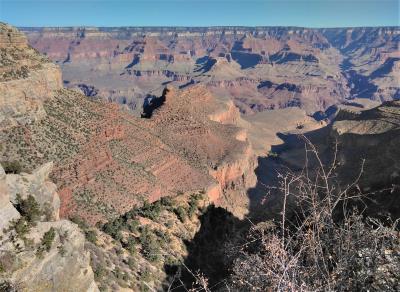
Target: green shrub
(133, 225)
(150, 246)
(80, 222)
(21, 227)
(181, 213)
(28, 208)
(131, 263)
(11, 167)
(99, 272)
(91, 236)
(114, 228)
(194, 204)
(167, 202)
(164, 237)
(151, 211)
(48, 239)
(131, 245)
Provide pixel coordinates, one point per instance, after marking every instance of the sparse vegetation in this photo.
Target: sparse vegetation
(194, 204)
(272, 154)
(150, 246)
(90, 233)
(131, 245)
(91, 236)
(21, 227)
(151, 211)
(322, 246)
(29, 209)
(181, 213)
(140, 234)
(46, 242)
(11, 166)
(30, 213)
(48, 238)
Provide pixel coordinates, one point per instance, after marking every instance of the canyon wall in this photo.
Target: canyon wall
(27, 79)
(259, 68)
(106, 160)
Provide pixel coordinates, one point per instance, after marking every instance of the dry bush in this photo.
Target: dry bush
(320, 243)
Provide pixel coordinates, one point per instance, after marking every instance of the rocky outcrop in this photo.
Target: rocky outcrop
(228, 115)
(368, 153)
(64, 264)
(38, 186)
(66, 271)
(208, 133)
(11, 37)
(7, 210)
(372, 135)
(26, 80)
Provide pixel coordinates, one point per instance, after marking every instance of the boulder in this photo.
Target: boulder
(7, 210)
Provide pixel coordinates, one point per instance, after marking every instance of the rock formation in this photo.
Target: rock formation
(371, 135)
(7, 210)
(367, 152)
(136, 181)
(27, 79)
(24, 266)
(106, 160)
(259, 68)
(371, 60)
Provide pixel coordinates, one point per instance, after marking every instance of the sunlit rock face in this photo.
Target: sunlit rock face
(27, 79)
(65, 265)
(106, 161)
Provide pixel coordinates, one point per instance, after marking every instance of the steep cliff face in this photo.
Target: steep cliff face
(24, 184)
(230, 61)
(367, 153)
(41, 253)
(326, 66)
(27, 79)
(371, 60)
(7, 210)
(371, 135)
(208, 134)
(106, 160)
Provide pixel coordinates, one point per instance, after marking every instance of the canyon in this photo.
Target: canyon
(160, 143)
(258, 68)
(105, 162)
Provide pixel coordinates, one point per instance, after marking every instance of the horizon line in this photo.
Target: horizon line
(206, 27)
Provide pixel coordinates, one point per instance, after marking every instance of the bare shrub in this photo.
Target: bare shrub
(320, 243)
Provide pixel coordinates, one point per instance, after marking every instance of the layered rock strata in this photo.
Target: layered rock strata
(27, 79)
(260, 68)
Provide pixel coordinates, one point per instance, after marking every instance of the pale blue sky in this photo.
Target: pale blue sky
(308, 13)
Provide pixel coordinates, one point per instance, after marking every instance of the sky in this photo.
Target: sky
(303, 13)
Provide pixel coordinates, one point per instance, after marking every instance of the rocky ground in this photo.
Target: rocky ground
(39, 252)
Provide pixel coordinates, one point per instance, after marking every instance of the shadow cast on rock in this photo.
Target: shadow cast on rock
(209, 251)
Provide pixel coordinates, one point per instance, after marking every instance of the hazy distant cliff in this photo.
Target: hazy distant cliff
(260, 68)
